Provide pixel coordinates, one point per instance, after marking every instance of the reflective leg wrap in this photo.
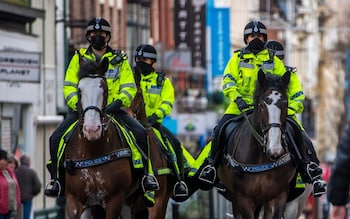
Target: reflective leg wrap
(148, 198)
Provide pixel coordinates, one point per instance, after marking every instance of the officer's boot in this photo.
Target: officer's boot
(315, 173)
(149, 183)
(313, 169)
(207, 176)
(54, 187)
(180, 190)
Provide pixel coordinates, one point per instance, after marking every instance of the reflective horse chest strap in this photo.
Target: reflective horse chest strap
(114, 155)
(252, 168)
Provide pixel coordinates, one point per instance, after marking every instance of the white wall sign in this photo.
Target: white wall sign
(19, 66)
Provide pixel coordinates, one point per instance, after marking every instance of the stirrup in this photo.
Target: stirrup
(204, 174)
(49, 187)
(313, 171)
(319, 188)
(180, 184)
(220, 187)
(151, 181)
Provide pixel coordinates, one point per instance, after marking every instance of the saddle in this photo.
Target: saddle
(136, 154)
(225, 134)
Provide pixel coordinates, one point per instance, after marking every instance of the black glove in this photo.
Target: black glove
(152, 120)
(241, 104)
(114, 107)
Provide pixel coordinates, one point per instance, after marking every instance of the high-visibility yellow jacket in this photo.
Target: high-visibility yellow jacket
(120, 77)
(158, 94)
(241, 74)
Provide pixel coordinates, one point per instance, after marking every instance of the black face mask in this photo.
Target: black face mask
(256, 45)
(144, 67)
(98, 42)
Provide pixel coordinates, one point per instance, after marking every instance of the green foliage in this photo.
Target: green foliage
(218, 102)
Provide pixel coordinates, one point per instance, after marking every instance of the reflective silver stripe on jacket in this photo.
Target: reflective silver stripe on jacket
(68, 83)
(125, 85)
(167, 103)
(227, 85)
(153, 91)
(163, 112)
(127, 94)
(267, 66)
(71, 95)
(246, 65)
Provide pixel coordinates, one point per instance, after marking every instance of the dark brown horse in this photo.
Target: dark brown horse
(97, 158)
(257, 168)
(160, 165)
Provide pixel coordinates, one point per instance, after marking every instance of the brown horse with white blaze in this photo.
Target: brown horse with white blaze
(97, 158)
(258, 167)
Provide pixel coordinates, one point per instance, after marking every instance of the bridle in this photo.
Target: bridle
(106, 120)
(263, 129)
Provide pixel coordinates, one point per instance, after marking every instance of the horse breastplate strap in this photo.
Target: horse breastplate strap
(252, 168)
(121, 153)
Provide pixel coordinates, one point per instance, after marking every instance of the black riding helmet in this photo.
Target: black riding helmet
(146, 51)
(254, 27)
(277, 47)
(98, 24)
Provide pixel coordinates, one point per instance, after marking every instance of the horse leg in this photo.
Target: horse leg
(245, 209)
(115, 206)
(275, 208)
(158, 211)
(295, 208)
(74, 209)
(87, 214)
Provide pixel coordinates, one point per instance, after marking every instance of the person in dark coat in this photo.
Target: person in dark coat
(338, 186)
(29, 184)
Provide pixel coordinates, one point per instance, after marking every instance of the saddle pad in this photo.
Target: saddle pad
(136, 155)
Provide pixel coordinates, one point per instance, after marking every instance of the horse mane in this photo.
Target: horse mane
(137, 76)
(270, 81)
(91, 68)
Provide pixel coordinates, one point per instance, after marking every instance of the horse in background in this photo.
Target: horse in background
(257, 167)
(160, 165)
(97, 157)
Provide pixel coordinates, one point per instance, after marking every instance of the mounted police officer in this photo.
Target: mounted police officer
(158, 93)
(121, 91)
(239, 82)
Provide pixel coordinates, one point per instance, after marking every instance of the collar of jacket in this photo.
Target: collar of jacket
(89, 50)
(149, 76)
(246, 54)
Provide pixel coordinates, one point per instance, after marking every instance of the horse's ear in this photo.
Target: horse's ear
(286, 78)
(104, 65)
(261, 77)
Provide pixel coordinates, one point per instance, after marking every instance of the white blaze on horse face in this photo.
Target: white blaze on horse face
(274, 144)
(91, 95)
